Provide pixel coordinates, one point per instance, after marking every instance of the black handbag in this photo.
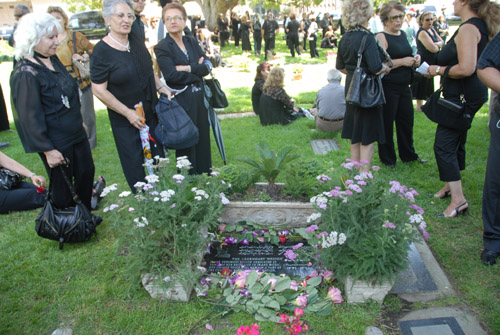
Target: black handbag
(72, 224)
(175, 129)
(450, 112)
(365, 90)
(215, 95)
(9, 179)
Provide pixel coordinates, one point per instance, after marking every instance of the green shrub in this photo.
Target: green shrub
(240, 179)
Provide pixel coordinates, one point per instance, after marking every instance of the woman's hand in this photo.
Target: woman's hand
(134, 119)
(185, 68)
(39, 181)
(165, 91)
(417, 59)
(54, 158)
(408, 61)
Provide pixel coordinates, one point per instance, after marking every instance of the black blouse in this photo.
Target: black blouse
(46, 106)
(347, 56)
(129, 76)
(279, 94)
(472, 87)
(398, 47)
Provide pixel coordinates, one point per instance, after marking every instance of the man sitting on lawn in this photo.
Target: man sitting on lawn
(330, 103)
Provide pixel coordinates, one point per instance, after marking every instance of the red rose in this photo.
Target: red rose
(282, 238)
(225, 272)
(40, 189)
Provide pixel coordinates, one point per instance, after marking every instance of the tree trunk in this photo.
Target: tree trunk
(211, 8)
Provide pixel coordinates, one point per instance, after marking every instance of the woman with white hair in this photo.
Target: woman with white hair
(46, 109)
(122, 76)
(362, 126)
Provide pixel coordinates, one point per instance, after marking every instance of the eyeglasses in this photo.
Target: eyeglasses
(139, 0)
(429, 19)
(174, 18)
(395, 17)
(122, 16)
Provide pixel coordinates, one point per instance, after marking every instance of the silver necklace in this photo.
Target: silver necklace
(127, 47)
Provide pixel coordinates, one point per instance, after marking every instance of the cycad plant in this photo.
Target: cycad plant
(269, 164)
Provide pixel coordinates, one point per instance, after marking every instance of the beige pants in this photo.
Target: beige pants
(330, 126)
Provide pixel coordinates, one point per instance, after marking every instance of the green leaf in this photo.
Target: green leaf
(325, 311)
(316, 307)
(256, 288)
(282, 284)
(312, 298)
(311, 290)
(251, 278)
(257, 296)
(274, 305)
(313, 281)
(228, 291)
(280, 299)
(266, 299)
(290, 294)
(230, 299)
(230, 228)
(266, 312)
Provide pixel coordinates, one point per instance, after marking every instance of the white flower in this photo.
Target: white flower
(331, 240)
(342, 238)
(183, 225)
(183, 163)
(152, 178)
(105, 209)
(197, 198)
(201, 268)
(416, 218)
(166, 279)
(108, 189)
(142, 222)
(201, 193)
(214, 173)
(224, 200)
(313, 217)
(124, 194)
(178, 177)
(139, 184)
(155, 199)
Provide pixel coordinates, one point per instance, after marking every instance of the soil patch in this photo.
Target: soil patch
(259, 193)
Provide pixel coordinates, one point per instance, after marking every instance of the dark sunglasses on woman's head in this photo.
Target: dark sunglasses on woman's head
(395, 17)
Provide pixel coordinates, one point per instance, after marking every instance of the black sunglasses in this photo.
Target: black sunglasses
(395, 17)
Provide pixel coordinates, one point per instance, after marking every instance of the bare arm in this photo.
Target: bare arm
(10, 164)
(467, 36)
(102, 93)
(490, 76)
(428, 43)
(160, 88)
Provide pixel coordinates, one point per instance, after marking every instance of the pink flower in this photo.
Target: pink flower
(375, 168)
(297, 246)
(311, 228)
(327, 275)
(348, 192)
(335, 295)
(290, 255)
(131, 209)
(298, 312)
(208, 326)
(272, 281)
(240, 280)
(252, 330)
(388, 224)
(301, 301)
(294, 285)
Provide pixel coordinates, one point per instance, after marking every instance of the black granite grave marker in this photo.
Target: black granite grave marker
(257, 256)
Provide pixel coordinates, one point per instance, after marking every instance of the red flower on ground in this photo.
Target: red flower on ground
(282, 238)
(225, 272)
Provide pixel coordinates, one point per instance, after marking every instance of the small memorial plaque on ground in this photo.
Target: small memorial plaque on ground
(267, 257)
(321, 147)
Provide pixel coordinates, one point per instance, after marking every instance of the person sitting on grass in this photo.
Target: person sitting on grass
(260, 78)
(23, 196)
(330, 103)
(276, 106)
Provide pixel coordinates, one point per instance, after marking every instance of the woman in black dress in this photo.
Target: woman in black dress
(260, 78)
(399, 106)
(46, 108)
(362, 126)
(293, 35)
(276, 106)
(122, 75)
(183, 64)
(428, 44)
(457, 66)
(223, 30)
(245, 27)
(235, 27)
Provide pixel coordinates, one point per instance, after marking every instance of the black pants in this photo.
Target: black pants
(80, 171)
(269, 44)
(305, 41)
(257, 40)
(199, 155)
(398, 109)
(222, 40)
(312, 46)
(4, 119)
(23, 197)
(449, 149)
(293, 44)
(491, 192)
(129, 147)
(236, 36)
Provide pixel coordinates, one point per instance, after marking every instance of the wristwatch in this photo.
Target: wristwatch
(437, 70)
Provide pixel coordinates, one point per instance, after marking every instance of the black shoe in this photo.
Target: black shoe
(489, 257)
(98, 187)
(4, 145)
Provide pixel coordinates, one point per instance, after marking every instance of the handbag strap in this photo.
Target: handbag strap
(76, 199)
(360, 51)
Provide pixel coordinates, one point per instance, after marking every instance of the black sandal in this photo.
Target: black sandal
(97, 189)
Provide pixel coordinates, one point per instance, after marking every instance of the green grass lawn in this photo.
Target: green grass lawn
(85, 286)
